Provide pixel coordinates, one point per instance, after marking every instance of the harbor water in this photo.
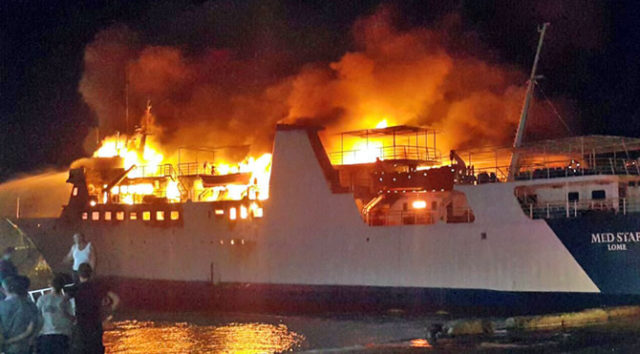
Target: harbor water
(152, 332)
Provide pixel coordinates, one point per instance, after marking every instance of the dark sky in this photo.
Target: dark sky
(590, 58)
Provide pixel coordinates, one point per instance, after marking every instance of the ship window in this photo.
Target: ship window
(219, 212)
(85, 215)
(75, 191)
(434, 205)
(146, 215)
(133, 215)
(257, 212)
(107, 215)
(419, 204)
(95, 215)
(175, 215)
(632, 183)
(160, 215)
(232, 213)
(573, 196)
(599, 194)
(120, 215)
(244, 212)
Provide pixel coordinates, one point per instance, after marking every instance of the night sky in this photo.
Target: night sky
(590, 59)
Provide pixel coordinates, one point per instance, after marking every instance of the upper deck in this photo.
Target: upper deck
(566, 157)
(417, 145)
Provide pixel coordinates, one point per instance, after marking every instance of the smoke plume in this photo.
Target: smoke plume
(207, 94)
(216, 97)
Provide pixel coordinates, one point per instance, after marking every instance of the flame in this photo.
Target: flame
(173, 192)
(261, 172)
(149, 162)
(363, 152)
(129, 150)
(382, 124)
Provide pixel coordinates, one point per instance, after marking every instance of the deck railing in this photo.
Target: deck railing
(35, 294)
(574, 209)
(195, 168)
(395, 152)
(604, 166)
(148, 171)
(558, 169)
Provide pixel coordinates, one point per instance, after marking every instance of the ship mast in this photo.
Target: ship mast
(514, 165)
(144, 126)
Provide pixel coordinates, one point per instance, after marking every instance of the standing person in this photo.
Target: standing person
(57, 316)
(81, 252)
(91, 297)
(7, 268)
(19, 317)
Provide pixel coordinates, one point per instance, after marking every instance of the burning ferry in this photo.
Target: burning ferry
(390, 220)
(387, 220)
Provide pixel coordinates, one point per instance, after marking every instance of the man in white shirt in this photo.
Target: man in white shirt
(81, 252)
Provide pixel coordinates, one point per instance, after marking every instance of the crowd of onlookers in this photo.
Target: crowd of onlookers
(67, 319)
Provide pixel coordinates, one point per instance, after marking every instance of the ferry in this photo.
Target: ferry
(384, 221)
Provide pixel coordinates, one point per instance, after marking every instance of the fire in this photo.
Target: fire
(259, 171)
(129, 150)
(364, 152)
(382, 124)
(173, 192)
(132, 193)
(154, 175)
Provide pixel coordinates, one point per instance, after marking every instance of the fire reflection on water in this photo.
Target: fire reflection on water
(159, 337)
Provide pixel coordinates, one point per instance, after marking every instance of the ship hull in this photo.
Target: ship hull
(163, 295)
(312, 244)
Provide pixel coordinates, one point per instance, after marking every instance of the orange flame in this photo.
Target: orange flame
(149, 161)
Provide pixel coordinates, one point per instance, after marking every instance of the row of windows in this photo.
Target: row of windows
(243, 212)
(596, 195)
(159, 215)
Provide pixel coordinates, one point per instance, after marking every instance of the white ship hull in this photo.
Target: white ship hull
(310, 236)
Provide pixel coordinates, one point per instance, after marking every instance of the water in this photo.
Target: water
(259, 333)
(246, 333)
(181, 337)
